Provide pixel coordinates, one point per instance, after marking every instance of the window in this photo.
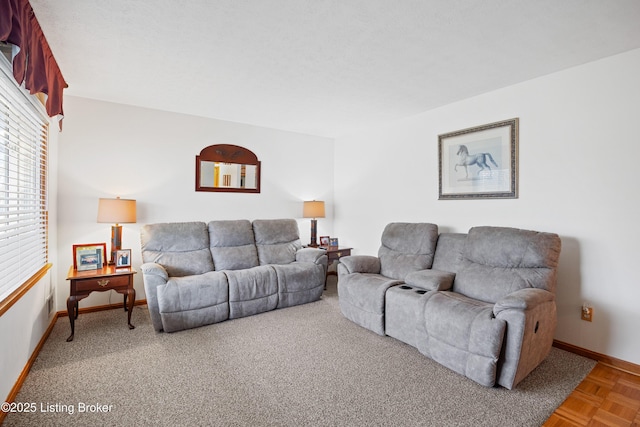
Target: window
(23, 186)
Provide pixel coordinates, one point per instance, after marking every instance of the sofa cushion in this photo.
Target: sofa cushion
(512, 248)
(190, 301)
(277, 240)
(462, 334)
(407, 247)
(299, 283)
(252, 291)
(182, 248)
(361, 297)
(232, 245)
(502, 260)
(449, 252)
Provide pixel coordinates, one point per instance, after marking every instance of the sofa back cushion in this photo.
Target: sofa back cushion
(449, 252)
(232, 245)
(277, 240)
(407, 247)
(182, 248)
(502, 260)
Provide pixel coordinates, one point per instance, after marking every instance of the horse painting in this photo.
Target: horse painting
(465, 159)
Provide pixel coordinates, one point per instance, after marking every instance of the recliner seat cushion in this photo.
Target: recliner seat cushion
(190, 301)
(299, 283)
(362, 299)
(462, 334)
(252, 291)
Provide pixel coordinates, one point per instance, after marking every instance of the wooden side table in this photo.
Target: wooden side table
(103, 279)
(334, 253)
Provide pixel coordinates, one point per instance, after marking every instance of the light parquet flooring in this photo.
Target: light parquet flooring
(606, 397)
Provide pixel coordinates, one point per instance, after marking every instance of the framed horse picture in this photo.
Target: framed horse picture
(479, 162)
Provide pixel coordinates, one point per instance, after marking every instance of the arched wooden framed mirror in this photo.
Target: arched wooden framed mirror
(227, 168)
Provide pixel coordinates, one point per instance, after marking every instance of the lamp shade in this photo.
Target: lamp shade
(313, 209)
(117, 210)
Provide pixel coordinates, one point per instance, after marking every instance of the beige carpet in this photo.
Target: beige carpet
(304, 365)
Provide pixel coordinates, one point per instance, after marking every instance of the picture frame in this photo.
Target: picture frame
(123, 258)
(479, 162)
(89, 256)
(324, 240)
(333, 241)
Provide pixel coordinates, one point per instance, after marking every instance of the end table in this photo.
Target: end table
(103, 279)
(334, 253)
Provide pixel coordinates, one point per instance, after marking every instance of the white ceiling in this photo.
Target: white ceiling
(322, 67)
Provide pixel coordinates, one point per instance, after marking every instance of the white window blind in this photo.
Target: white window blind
(23, 185)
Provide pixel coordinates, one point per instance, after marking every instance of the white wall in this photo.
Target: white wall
(579, 163)
(109, 150)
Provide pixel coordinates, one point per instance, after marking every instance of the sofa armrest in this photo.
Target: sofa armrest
(523, 299)
(430, 280)
(153, 269)
(361, 264)
(153, 275)
(313, 255)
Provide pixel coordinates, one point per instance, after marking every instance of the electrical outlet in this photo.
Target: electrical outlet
(587, 313)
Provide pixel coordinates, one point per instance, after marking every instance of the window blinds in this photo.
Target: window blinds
(23, 186)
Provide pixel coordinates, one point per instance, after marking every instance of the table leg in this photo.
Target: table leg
(131, 296)
(72, 311)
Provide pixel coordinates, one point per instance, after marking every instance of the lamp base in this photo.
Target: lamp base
(116, 242)
(314, 233)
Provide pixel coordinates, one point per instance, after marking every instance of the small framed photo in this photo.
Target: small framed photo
(333, 241)
(324, 240)
(89, 256)
(123, 258)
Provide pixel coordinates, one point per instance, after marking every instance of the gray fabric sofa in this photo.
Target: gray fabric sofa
(197, 274)
(481, 304)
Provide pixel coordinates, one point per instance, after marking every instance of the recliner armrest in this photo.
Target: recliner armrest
(430, 280)
(361, 264)
(153, 269)
(523, 299)
(313, 255)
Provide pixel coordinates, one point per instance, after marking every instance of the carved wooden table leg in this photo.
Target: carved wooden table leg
(72, 311)
(131, 296)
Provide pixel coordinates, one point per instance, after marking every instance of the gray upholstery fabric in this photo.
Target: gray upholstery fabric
(232, 245)
(252, 291)
(153, 275)
(361, 297)
(361, 264)
(503, 260)
(449, 251)
(300, 282)
(531, 323)
(363, 280)
(407, 247)
(463, 335)
(277, 240)
(191, 301)
(403, 308)
(184, 290)
(181, 248)
(487, 308)
(430, 280)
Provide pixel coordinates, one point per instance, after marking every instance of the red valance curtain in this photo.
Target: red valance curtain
(34, 64)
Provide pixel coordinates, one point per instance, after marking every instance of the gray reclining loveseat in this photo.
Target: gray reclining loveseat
(481, 304)
(197, 274)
